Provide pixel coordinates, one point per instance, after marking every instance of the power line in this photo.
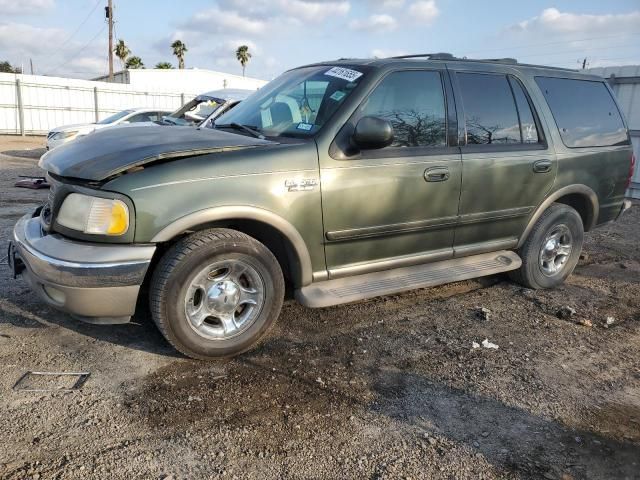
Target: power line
(579, 51)
(592, 60)
(78, 28)
(71, 57)
(81, 24)
(562, 42)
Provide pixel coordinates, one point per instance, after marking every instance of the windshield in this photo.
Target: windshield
(194, 112)
(298, 103)
(115, 117)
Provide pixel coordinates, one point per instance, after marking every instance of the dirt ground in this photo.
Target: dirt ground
(384, 389)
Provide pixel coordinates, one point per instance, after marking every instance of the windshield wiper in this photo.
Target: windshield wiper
(247, 128)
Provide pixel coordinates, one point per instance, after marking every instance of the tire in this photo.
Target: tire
(196, 284)
(561, 225)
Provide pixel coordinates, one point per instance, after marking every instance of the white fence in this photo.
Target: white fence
(34, 104)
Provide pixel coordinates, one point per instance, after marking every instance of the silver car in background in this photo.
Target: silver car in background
(205, 108)
(66, 133)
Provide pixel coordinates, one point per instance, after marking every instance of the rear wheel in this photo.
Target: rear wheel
(216, 293)
(552, 249)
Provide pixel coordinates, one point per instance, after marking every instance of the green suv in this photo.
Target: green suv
(336, 182)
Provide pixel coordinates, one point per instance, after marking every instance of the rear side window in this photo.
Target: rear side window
(491, 117)
(413, 101)
(584, 111)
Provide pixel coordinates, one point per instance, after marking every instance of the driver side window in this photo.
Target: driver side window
(413, 102)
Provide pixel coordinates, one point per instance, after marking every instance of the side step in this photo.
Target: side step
(369, 285)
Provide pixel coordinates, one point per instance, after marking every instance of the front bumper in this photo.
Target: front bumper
(98, 283)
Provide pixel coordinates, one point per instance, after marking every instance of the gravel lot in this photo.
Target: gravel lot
(388, 388)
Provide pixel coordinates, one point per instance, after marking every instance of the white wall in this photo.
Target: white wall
(192, 79)
(49, 102)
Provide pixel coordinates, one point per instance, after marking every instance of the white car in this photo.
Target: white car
(205, 108)
(61, 135)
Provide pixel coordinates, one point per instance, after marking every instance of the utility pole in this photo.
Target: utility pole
(31, 63)
(109, 14)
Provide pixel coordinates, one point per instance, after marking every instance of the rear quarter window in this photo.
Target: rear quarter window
(584, 111)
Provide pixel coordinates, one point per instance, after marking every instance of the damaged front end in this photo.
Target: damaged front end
(109, 152)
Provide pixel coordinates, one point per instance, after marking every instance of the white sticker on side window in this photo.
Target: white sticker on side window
(344, 73)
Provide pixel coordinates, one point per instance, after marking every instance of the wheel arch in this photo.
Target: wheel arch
(264, 225)
(580, 197)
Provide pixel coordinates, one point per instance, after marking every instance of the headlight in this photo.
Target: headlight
(94, 215)
(63, 135)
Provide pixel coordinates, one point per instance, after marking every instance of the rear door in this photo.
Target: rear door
(397, 205)
(507, 165)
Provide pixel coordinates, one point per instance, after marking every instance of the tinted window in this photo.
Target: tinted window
(528, 127)
(413, 102)
(490, 110)
(584, 111)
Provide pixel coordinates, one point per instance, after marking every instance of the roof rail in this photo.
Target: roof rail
(449, 56)
(499, 60)
(431, 56)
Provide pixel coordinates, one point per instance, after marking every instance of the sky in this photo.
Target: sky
(69, 37)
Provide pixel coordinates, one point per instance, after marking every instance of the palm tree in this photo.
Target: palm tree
(243, 56)
(122, 52)
(134, 62)
(164, 65)
(179, 49)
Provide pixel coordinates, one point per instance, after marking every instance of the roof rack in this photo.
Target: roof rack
(498, 60)
(431, 56)
(449, 56)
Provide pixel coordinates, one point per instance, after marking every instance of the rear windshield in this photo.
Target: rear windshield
(584, 111)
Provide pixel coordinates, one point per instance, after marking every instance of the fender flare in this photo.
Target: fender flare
(214, 214)
(583, 190)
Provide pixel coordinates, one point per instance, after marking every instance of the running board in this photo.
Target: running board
(369, 285)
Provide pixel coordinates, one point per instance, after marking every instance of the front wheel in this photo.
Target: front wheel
(216, 293)
(552, 249)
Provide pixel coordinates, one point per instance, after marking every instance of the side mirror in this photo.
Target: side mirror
(372, 133)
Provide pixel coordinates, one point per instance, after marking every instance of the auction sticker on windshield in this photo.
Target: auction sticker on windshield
(344, 73)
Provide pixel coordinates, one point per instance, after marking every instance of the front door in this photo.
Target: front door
(398, 205)
(507, 167)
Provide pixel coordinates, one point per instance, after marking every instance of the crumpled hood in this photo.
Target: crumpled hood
(110, 151)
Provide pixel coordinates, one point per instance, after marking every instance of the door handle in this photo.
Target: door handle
(542, 166)
(436, 174)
